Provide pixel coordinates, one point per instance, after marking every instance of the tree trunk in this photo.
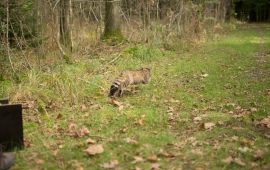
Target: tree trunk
(112, 21)
(229, 10)
(65, 32)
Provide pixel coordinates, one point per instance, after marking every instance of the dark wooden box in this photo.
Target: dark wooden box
(11, 126)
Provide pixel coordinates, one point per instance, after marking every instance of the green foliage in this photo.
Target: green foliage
(206, 82)
(21, 19)
(113, 36)
(144, 53)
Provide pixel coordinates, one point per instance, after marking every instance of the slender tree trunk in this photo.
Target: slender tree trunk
(112, 20)
(229, 9)
(65, 32)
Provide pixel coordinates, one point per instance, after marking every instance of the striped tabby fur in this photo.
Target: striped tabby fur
(129, 77)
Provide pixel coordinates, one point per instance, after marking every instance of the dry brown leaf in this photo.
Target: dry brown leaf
(72, 127)
(76, 165)
(258, 154)
(59, 116)
(152, 158)
(27, 142)
(235, 138)
(120, 105)
(174, 101)
(197, 119)
(73, 130)
(265, 122)
(243, 149)
(199, 168)
(204, 75)
(239, 162)
(95, 106)
(220, 122)
(228, 160)
(83, 131)
(39, 161)
(268, 92)
(131, 141)
(140, 121)
(137, 159)
(153, 99)
(83, 108)
(94, 149)
(208, 125)
(197, 152)
(167, 154)
(28, 104)
(110, 165)
(253, 109)
(90, 141)
(155, 166)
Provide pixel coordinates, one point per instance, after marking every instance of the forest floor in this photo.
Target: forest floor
(206, 107)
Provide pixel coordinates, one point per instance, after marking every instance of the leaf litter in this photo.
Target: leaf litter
(94, 149)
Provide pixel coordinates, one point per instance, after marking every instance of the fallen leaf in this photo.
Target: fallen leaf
(197, 119)
(243, 149)
(94, 149)
(239, 162)
(59, 116)
(72, 127)
(83, 108)
(265, 122)
(197, 152)
(153, 99)
(137, 159)
(228, 160)
(90, 141)
(137, 168)
(167, 154)
(152, 158)
(131, 141)
(268, 92)
(27, 142)
(76, 165)
(204, 75)
(83, 131)
(253, 109)
(39, 161)
(120, 105)
(140, 121)
(95, 106)
(155, 166)
(55, 152)
(209, 125)
(110, 165)
(174, 101)
(253, 164)
(235, 138)
(199, 168)
(258, 154)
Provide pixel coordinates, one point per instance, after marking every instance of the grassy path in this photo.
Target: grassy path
(199, 111)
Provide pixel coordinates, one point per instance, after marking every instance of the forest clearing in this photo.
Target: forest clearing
(201, 109)
(206, 106)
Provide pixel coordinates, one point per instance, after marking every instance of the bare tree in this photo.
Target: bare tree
(65, 31)
(112, 20)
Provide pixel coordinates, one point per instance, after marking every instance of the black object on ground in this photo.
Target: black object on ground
(11, 125)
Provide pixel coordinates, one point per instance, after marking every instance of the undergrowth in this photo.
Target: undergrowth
(165, 123)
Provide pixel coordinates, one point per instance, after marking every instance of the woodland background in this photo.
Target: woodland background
(207, 105)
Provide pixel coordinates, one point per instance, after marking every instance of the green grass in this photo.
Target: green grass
(235, 78)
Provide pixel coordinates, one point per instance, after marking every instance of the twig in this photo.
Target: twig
(7, 39)
(113, 60)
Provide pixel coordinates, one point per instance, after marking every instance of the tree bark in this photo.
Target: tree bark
(112, 20)
(64, 20)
